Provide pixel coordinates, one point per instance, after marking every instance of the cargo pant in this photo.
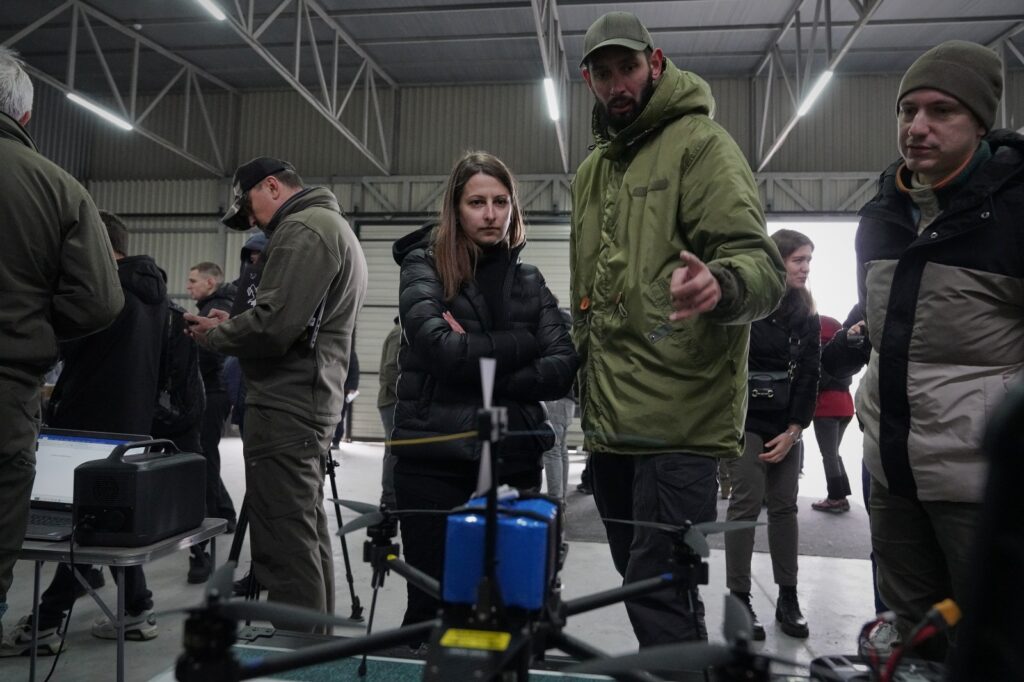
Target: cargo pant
(285, 463)
(19, 429)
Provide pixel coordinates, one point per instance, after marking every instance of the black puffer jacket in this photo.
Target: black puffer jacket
(110, 379)
(770, 351)
(439, 390)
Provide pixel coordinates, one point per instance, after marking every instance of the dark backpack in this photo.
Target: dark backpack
(181, 398)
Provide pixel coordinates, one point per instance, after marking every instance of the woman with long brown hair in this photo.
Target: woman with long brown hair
(465, 295)
(784, 365)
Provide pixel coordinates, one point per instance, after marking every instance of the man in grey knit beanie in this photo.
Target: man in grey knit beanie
(940, 271)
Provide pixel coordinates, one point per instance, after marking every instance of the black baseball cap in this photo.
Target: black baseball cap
(247, 176)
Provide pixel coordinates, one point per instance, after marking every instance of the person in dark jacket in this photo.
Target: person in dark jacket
(786, 342)
(205, 285)
(940, 272)
(293, 346)
(59, 282)
(464, 295)
(832, 415)
(343, 432)
(109, 383)
(246, 287)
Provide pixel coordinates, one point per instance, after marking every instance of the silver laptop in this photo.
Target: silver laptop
(58, 452)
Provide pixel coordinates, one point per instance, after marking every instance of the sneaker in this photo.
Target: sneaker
(18, 642)
(832, 506)
(584, 489)
(139, 627)
(882, 639)
(200, 567)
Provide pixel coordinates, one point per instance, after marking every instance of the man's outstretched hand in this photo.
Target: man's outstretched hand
(692, 288)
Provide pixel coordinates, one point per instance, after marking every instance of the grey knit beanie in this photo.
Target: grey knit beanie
(968, 71)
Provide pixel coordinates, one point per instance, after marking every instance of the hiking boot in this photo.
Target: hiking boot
(200, 566)
(787, 612)
(18, 641)
(757, 629)
(832, 506)
(882, 639)
(138, 627)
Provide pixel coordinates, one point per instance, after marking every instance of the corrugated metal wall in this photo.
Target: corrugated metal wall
(850, 129)
(62, 131)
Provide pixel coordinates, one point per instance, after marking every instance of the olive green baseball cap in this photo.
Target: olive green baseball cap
(616, 28)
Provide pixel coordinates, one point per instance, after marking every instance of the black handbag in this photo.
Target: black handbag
(769, 390)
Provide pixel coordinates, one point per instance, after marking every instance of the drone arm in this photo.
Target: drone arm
(618, 594)
(333, 650)
(581, 650)
(416, 577)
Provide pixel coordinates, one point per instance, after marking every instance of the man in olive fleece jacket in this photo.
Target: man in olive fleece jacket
(670, 264)
(293, 346)
(58, 282)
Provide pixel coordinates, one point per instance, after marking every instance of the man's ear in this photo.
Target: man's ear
(657, 63)
(23, 121)
(586, 77)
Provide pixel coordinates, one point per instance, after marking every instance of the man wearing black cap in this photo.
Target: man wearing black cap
(670, 264)
(941, 262)
(293, 346)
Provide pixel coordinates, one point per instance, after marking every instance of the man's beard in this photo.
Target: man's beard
(621, 121)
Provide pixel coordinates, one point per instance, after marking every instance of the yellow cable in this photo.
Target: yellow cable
(431, 439)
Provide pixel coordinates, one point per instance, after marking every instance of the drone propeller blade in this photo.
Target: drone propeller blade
(221, 582)
(484, 475)
(355, 505)
(737, 625)
(369, 519)
(685, 656)
(374, 517)
(697, 542)
(274, 611)
(646, 524)
(488, 367)
(709, 527)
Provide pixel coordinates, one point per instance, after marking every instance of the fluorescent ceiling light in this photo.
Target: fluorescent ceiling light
(549, 91)
(815, 92)
(100, 111)
(212, 9)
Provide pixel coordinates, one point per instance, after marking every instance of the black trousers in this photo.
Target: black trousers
(670, 488)
(423, 537)
(64, 589)
(218, 501)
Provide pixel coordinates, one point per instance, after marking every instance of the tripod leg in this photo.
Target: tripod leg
(378, 582)
(240, 527)
(357, 609)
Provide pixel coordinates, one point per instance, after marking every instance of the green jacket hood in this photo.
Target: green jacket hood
(676, 94)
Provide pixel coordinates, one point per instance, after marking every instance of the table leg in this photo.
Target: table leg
(213, 552)
(119, 571)
(35, 621)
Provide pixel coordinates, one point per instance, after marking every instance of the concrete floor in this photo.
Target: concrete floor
(835, 593)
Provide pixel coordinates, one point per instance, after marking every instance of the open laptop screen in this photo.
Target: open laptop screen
(58, 452)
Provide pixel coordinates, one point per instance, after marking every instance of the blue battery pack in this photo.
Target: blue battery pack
(525, 552)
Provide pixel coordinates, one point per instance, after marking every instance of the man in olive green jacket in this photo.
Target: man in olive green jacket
(294, 346)
(670, 264)
(58, 282)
